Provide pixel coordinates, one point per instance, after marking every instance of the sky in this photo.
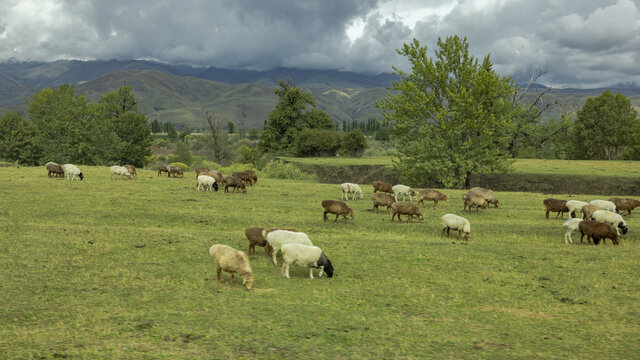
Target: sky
(578, 43)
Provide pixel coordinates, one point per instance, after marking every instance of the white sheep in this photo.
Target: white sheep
(575, 206)
(455, 222)
(280, 237)
(232, 261)
(206, 181)
(570, 226)
(307, 256)
(611, 218)
(403, 190)
(604, 205)
(350, 188)
(72, 171)
(119, 170)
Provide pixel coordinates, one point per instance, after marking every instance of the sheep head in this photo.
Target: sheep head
(81, 176)
(247, 281)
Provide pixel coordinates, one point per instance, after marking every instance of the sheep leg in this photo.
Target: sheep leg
(285, 270)
(325, 215)
(273, 254)
(336, 219)
(311, 273)
(321, 271)
(220, 274)
(408, 218)
(435, 204)
(393, 216)
(375, 208)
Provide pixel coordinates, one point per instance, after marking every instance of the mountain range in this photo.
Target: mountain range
(181, 94)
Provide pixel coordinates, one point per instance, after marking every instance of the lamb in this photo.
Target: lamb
(350, 188)
(488, 195)
(625, 204)
(575, 206)
(455, 222)
(54, 168)
(338, 208)
(611, 218)
(206, 182)
(406, 208)
(307, 256)
(235, 183)
(132, 170)
(555, 205)
(277, 238)
(474, 199)
(403, 190)
(175, 170)
(605, 205)
(161, 169)
(258, 236)
(232, 261)
(587, 212)
(597, 230)
(382, 200)
(72, 171)
(119, 170)
(570, 226)
(433, 195)
(382, 186)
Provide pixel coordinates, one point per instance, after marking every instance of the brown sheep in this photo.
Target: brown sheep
(382, 186)
(627, 204)
(406, 208)
(382, 200)
(55, 169)
(477, 200)
(175, 170)
(338, 208)
(254, 176)
(433, 195)
(258, 236)
(588, 210)
(597, 230)
(132, 170)
(555, 205)
(232, 261)
(244, 176)
(217, 176)
(235, 183)
(487, 194)
(161, 169)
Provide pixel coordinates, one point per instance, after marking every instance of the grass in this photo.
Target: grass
(120, 269)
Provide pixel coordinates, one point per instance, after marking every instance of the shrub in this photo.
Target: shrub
(230, 169)
(276, 169)
(314, 142)
(354, 143)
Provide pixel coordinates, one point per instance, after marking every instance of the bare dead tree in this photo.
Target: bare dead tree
(216, 135)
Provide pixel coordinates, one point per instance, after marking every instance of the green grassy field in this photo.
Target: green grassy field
(120, 269)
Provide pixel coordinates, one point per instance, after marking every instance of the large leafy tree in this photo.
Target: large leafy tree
(451, 114)
(605, 126)
(18, 140)
(289, 117)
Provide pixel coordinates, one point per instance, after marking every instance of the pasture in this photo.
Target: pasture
(120, 269)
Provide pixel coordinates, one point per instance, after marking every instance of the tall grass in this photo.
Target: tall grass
(120, 269)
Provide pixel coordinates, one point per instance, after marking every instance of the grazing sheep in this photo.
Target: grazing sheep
(161, 169)
(132, 170)
(53, 168)
(625, 204)
(235, 183)
(382, 186)
(258, 236)
(575, 206)
(307, 256)
(338, 208)
(350, 188)
(380, 199)
(206, 182)
(605, 205)
(232, 261)
(244, 176)
(570, 226)
(218, 176)
(611, 218)
(403, 190)
(278, 238)
(474, 199)
(120, 171)
(488, 195)
(72, 171)
(406, 208)
(253, 175)
(587, 212)
(455, 222)
(433, 195)
(175, 170)
(555, 205)
(597, 230)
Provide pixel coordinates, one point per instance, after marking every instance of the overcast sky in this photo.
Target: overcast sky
(583, 43)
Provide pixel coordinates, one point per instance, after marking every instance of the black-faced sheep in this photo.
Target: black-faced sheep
(307, 256)
(350, 188)
(218, 176)
(162, 169)
(382, 186)
(555, 205)
(338, 208)
(455, 222)
(72, 171)
(206, 182)
(625, 204)
(234, 182)
(232, 261)
(405, 208)
(597, 230)
(488, 195)
(611, 218)
(55, 169)
(175, 170)
(432, 195)
(380, 199)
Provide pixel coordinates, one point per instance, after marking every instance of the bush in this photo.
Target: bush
(354, 143)
(314, 142)
(276, 169)
(228, 170)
